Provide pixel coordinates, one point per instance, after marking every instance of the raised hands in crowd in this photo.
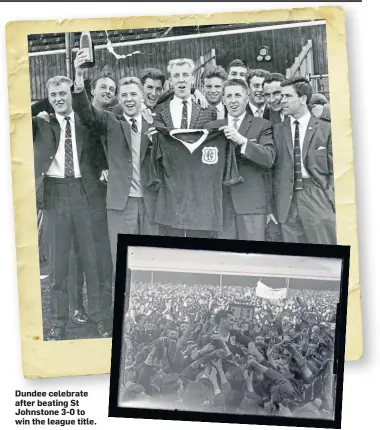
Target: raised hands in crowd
(189, 349)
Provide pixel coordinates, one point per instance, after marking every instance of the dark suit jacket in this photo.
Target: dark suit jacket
(317, 158)
(119, 151)
(268, 114)
(46, 136)
(199, 116)
(251, 196)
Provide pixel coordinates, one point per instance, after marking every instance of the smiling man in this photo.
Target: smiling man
(153, 81)
(246, 205)
(130, 206)
(67, 172)
(303, 172)
(181, 111)
(213, 79)
(256, 105)
(237, 69)
(103, 91)
(273, 96)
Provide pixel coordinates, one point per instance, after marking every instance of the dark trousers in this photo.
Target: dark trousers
(68, 217)
(180, 232)
(311, 217)
(75, 280)
(241, 227)
(245, 227)
(104, 267)
(133, 219)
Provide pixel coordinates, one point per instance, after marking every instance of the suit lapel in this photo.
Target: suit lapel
(288, 136)
(79, 134)
(195, 109)
(127, 131)
(246, 123)
(56, 129)
(167, 116)
(308, 136)
(144, 140)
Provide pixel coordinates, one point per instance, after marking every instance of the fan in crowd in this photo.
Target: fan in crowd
(185, 349)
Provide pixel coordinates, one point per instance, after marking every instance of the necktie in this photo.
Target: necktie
(69, 158)
(297, 159)
(259, 113)
(184, 115)
(235, 123)
(134, 125)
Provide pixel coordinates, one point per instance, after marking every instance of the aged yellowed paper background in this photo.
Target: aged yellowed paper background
(83, 357)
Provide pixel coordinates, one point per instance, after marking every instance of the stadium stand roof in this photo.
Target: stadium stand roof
(263, 265)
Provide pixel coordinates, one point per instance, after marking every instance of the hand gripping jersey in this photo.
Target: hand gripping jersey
(189, 169)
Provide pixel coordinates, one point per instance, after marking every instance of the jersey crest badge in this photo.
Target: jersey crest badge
(210, 155)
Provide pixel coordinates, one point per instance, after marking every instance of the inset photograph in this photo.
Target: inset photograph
(242, 336)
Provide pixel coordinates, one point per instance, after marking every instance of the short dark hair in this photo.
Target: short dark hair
(152, 73)
(260, 73)
(234, 82)
(222, 315)
(273, 77)
(301, 86)
(102, 76)
(237, 63)
(214, 72)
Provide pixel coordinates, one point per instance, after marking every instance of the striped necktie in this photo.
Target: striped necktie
(235, 123)
(184, 115)
(297, 158)
(259, 113)
(134, 125)
(69, 157)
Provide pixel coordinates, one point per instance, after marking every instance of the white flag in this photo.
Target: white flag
(269, 293)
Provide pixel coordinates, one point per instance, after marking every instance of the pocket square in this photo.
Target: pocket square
(253, 140)
(321, 147)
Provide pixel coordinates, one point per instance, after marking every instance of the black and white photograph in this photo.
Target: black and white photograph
(251, 334)
(212, 131)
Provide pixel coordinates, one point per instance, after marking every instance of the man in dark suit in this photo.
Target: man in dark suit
(153, 81)
(237, 69)
(273, 96)
(67, 169)
(246, 204)
(303, 170)
(256, 105)
(273, 113)
(180, 111)
(213, 79)
(102, 90)
(130, 206)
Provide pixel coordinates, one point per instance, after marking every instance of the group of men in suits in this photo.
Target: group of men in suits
(92, 161)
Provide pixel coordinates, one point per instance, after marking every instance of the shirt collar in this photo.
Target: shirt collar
(220, 107)
(239, 118)
(179, 101)
(254, 108)
(303, 121)
(61, 118)
(138, 119)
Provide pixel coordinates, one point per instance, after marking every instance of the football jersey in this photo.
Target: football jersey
(189, 169)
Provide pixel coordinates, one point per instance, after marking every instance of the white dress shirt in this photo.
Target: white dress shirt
(231, 121)
(220, 112)
(176, 107)
(57, 167)
(254, 109)
(138, 119)
(303, 124)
